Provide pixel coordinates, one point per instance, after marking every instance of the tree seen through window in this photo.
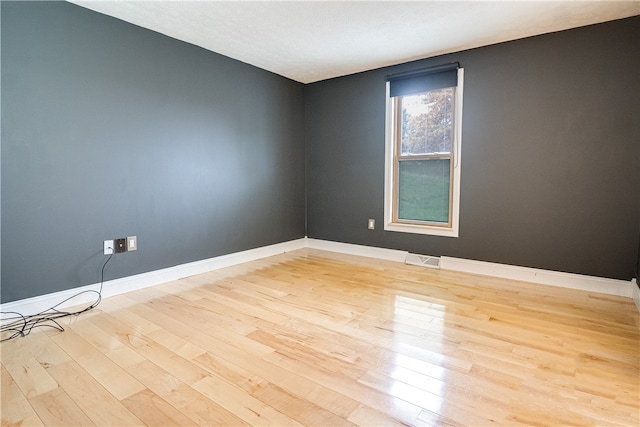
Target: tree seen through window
(427, 122)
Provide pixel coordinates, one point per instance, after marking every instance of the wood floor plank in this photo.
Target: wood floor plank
(245, 406)
(30, 376)
(95, 401)
(207, 412)
(45, 351)
(16, 410)
(97, 337)
(193, 404)
(318, 338)
(173, 363)
(300, 409)
(246, 371)
(176, 344)
(57, 408)
(111, 376)
(124, 357)
(155, 378)
(155, 411)
(397, 408)
(106, 372)
(366, 416)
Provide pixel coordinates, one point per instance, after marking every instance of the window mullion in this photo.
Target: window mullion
(397, 150)
(426, 157)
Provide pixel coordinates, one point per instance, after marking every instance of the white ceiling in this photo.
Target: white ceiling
(308, 41)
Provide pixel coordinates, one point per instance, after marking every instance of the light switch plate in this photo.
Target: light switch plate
(132, 243)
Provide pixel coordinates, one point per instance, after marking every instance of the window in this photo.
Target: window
(422, 172)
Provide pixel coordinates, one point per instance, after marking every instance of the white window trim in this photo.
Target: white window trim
(389, 225)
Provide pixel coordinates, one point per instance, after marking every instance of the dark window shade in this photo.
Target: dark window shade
(423, 80)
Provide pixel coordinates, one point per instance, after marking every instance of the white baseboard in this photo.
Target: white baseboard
(635, 293)
(360, 250)
(152, 278)
(544, 277)
(145, 280)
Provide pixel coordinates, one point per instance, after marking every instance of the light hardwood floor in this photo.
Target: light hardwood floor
(315, 338)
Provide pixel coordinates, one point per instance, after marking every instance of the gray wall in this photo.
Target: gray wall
(111, 130)
(550, 154)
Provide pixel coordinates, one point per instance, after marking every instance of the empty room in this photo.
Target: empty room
(320, 213)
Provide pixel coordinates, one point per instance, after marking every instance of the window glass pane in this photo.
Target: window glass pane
(423, 190)
(427, 122)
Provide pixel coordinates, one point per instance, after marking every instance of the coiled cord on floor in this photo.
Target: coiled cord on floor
(19, 325)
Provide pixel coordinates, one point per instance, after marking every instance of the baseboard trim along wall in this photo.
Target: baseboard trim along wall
(635, 293)
(359, 250)
(140, 281)
(544, 277)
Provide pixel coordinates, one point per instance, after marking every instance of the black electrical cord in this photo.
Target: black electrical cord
(20, 325)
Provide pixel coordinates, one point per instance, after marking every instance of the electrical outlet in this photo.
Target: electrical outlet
(371, 224)
(132, 243)
(117, 246)
(108, 247)
(120, 245)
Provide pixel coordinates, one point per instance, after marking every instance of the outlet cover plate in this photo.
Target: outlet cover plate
(120, 245)
(108, 247)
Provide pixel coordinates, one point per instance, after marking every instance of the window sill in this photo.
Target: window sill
(421, 229)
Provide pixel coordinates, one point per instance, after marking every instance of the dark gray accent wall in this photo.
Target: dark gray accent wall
(550, 154)
(111, 130)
